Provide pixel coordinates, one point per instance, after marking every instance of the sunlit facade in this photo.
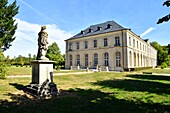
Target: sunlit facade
(109, 45)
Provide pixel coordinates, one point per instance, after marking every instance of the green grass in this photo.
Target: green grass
(92, 93)
(13, 70)
(157, 70)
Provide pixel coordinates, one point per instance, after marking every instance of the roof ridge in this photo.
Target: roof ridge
(93, 29)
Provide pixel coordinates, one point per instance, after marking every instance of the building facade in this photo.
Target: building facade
(109, 45)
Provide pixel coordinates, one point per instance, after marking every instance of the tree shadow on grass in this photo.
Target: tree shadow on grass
(84, 101)
(150, 77)
(136, 85)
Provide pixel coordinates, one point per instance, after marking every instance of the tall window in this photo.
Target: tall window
(130, 58)
(137, 44)
(71, 60)
(95, 59)
(70, 46)
(85, 44)
(106, 59)
(117, 59)
(86, 60)
(78, 60)
(129, 41)
(138, 58)
(117, 41)
(133, 42)
(105, 42)
(77, 45)
(95, 43)
(141, 60)
(134, 59)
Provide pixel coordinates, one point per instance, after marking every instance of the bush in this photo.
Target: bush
(163, 65)
(3, 71)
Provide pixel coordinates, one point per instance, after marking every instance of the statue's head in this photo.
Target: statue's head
(43, 27)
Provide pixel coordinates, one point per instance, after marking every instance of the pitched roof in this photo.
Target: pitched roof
(105, 27)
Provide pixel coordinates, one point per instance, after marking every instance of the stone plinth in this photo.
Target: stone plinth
(42, 84)
(41, 71)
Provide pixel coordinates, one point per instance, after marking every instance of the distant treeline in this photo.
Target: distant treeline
(20, 60)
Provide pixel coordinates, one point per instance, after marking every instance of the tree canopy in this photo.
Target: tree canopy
(53, 53)
(163, 56)
(7, 23)
(167, 17)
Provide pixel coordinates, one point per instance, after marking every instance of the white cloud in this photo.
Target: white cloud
(27, 35)
(147, 31)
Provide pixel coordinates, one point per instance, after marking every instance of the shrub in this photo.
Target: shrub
(163, 65)
(3, 71)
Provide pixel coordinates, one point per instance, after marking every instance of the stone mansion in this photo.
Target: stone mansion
(109, 45)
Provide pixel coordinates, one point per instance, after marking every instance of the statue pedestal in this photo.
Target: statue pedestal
(41, 71)
(42, 79)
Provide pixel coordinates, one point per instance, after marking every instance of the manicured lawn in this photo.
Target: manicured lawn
(157, 70)
(13, 70)
(92, 93)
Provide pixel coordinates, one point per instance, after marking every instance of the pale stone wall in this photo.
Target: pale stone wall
(145, 54)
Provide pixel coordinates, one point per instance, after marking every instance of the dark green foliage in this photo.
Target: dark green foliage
(167, 17)
(7, 23)
(163, 65)
(163, 55)
(53, 53)
(3, 69)
(167, 3)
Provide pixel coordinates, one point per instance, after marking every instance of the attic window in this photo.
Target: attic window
(109, 26)
(90, 30)
(99, 28)
(82, 32)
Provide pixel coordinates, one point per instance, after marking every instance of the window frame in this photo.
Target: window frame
(71, 60)
(117, 41)
(86, 60)
(94, 43)
(118, 59)
(106, 59)
(86, 44)
(77, 45)
(95, 59)
(105, 42)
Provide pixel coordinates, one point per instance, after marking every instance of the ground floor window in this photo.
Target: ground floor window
(118, 59)
(71, 60)
(95, 59)
(106, 59)
(78, 60)
(86, 60)
(130, 58)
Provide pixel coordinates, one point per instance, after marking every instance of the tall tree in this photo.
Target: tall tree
(167, 17)
(162, 55)
(53, 53)
(7, 23)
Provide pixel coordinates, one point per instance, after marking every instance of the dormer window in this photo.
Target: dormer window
(99, 28)
(82, 32)
(109, 26)
(90, 30)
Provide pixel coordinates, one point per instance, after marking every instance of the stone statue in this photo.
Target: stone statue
(42, 44)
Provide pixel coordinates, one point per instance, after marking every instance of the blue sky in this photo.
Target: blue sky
(65, 18)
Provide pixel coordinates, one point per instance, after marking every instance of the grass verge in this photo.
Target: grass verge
(92, 93)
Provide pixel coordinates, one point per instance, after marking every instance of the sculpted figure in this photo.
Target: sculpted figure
(42, 44)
